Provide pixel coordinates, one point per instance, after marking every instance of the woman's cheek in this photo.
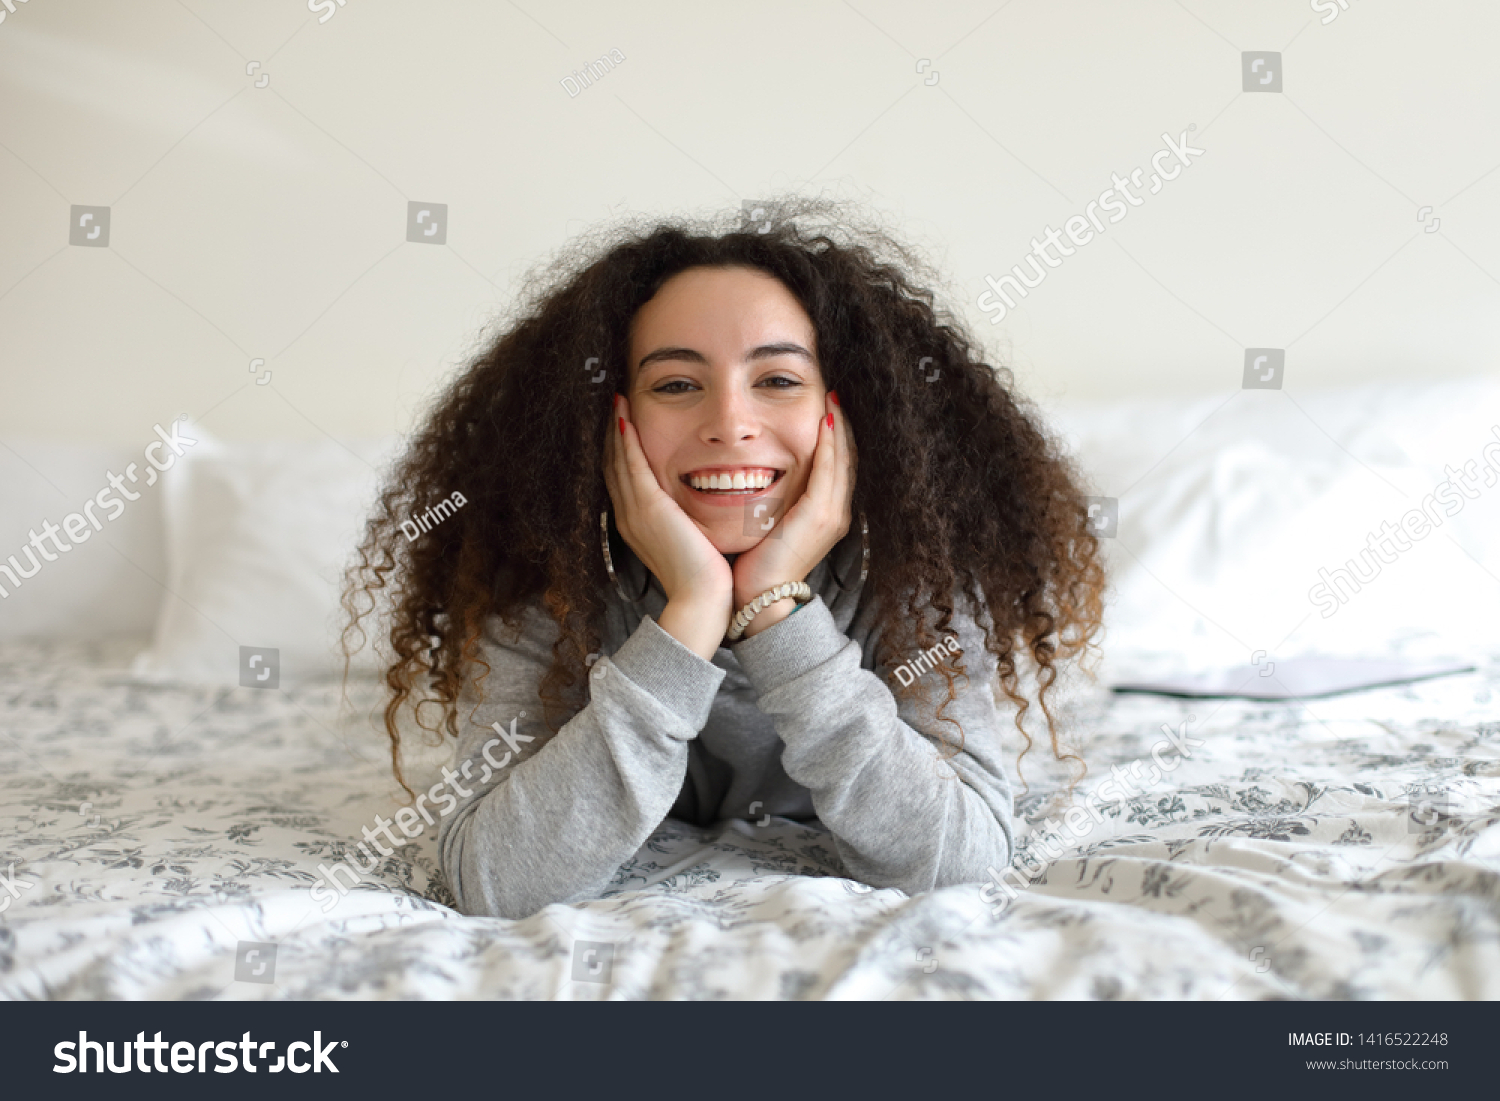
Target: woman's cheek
(808, 446)
(656, 449)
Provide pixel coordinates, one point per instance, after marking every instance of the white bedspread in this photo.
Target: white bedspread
(1281, 860)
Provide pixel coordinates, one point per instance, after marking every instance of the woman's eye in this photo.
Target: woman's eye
(682, 386)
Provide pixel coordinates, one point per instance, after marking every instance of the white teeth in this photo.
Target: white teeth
(738, 481)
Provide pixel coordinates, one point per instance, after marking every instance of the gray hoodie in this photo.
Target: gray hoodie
(792, 722)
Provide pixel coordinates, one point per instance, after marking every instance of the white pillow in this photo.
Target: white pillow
(258, 535)
(1228, 511)
(101, 587)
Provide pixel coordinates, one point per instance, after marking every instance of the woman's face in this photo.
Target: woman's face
(725, 381)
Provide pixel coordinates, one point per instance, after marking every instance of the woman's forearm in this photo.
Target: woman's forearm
(900, 815)
(553, 816)
(560, 824)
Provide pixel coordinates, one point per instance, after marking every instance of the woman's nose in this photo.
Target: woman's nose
(730, 417)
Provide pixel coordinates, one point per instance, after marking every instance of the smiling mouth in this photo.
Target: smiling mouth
(734, 482)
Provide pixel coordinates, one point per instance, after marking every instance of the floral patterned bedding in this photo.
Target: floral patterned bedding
(166, 843)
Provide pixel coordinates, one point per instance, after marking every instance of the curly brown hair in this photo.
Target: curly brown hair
(964, 491)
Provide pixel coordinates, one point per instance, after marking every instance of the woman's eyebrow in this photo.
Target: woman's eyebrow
(763, 351)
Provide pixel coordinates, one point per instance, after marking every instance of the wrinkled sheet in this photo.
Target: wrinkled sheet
(1349, 848)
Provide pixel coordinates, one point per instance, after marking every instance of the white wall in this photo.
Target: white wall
(269, 222)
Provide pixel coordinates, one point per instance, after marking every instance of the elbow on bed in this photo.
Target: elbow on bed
(475, 891)
(997, 855)
(453, 846)
(483, 883)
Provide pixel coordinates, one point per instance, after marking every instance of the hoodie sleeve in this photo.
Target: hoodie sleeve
(904, 812)
(543, 817)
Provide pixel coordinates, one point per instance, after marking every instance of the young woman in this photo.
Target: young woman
(747, 529)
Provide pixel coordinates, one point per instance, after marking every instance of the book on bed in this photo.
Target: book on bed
(1297, 678)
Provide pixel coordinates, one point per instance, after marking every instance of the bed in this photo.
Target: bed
(1342, 848)
(164, 828)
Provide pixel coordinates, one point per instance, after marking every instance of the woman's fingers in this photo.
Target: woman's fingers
(816, 521)
(848, 458)
(830, 484)
(614, 464)
(673, 546)
(819, 479)
(632, 471)
(609, 462)
(839, 475)
(642, 482)
(639, 490)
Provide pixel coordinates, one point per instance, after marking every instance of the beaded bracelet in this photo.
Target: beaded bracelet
(797, 590)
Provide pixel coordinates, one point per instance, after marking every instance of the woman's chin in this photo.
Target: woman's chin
(734, 542)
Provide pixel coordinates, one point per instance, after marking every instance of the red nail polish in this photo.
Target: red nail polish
(622, 425)
(834, 394)
(830, 420)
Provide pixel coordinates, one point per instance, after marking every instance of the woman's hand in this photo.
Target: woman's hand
(696, 578)
(810, 528)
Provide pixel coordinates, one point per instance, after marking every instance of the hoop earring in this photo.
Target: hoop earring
(610, 565)
(864, 561)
